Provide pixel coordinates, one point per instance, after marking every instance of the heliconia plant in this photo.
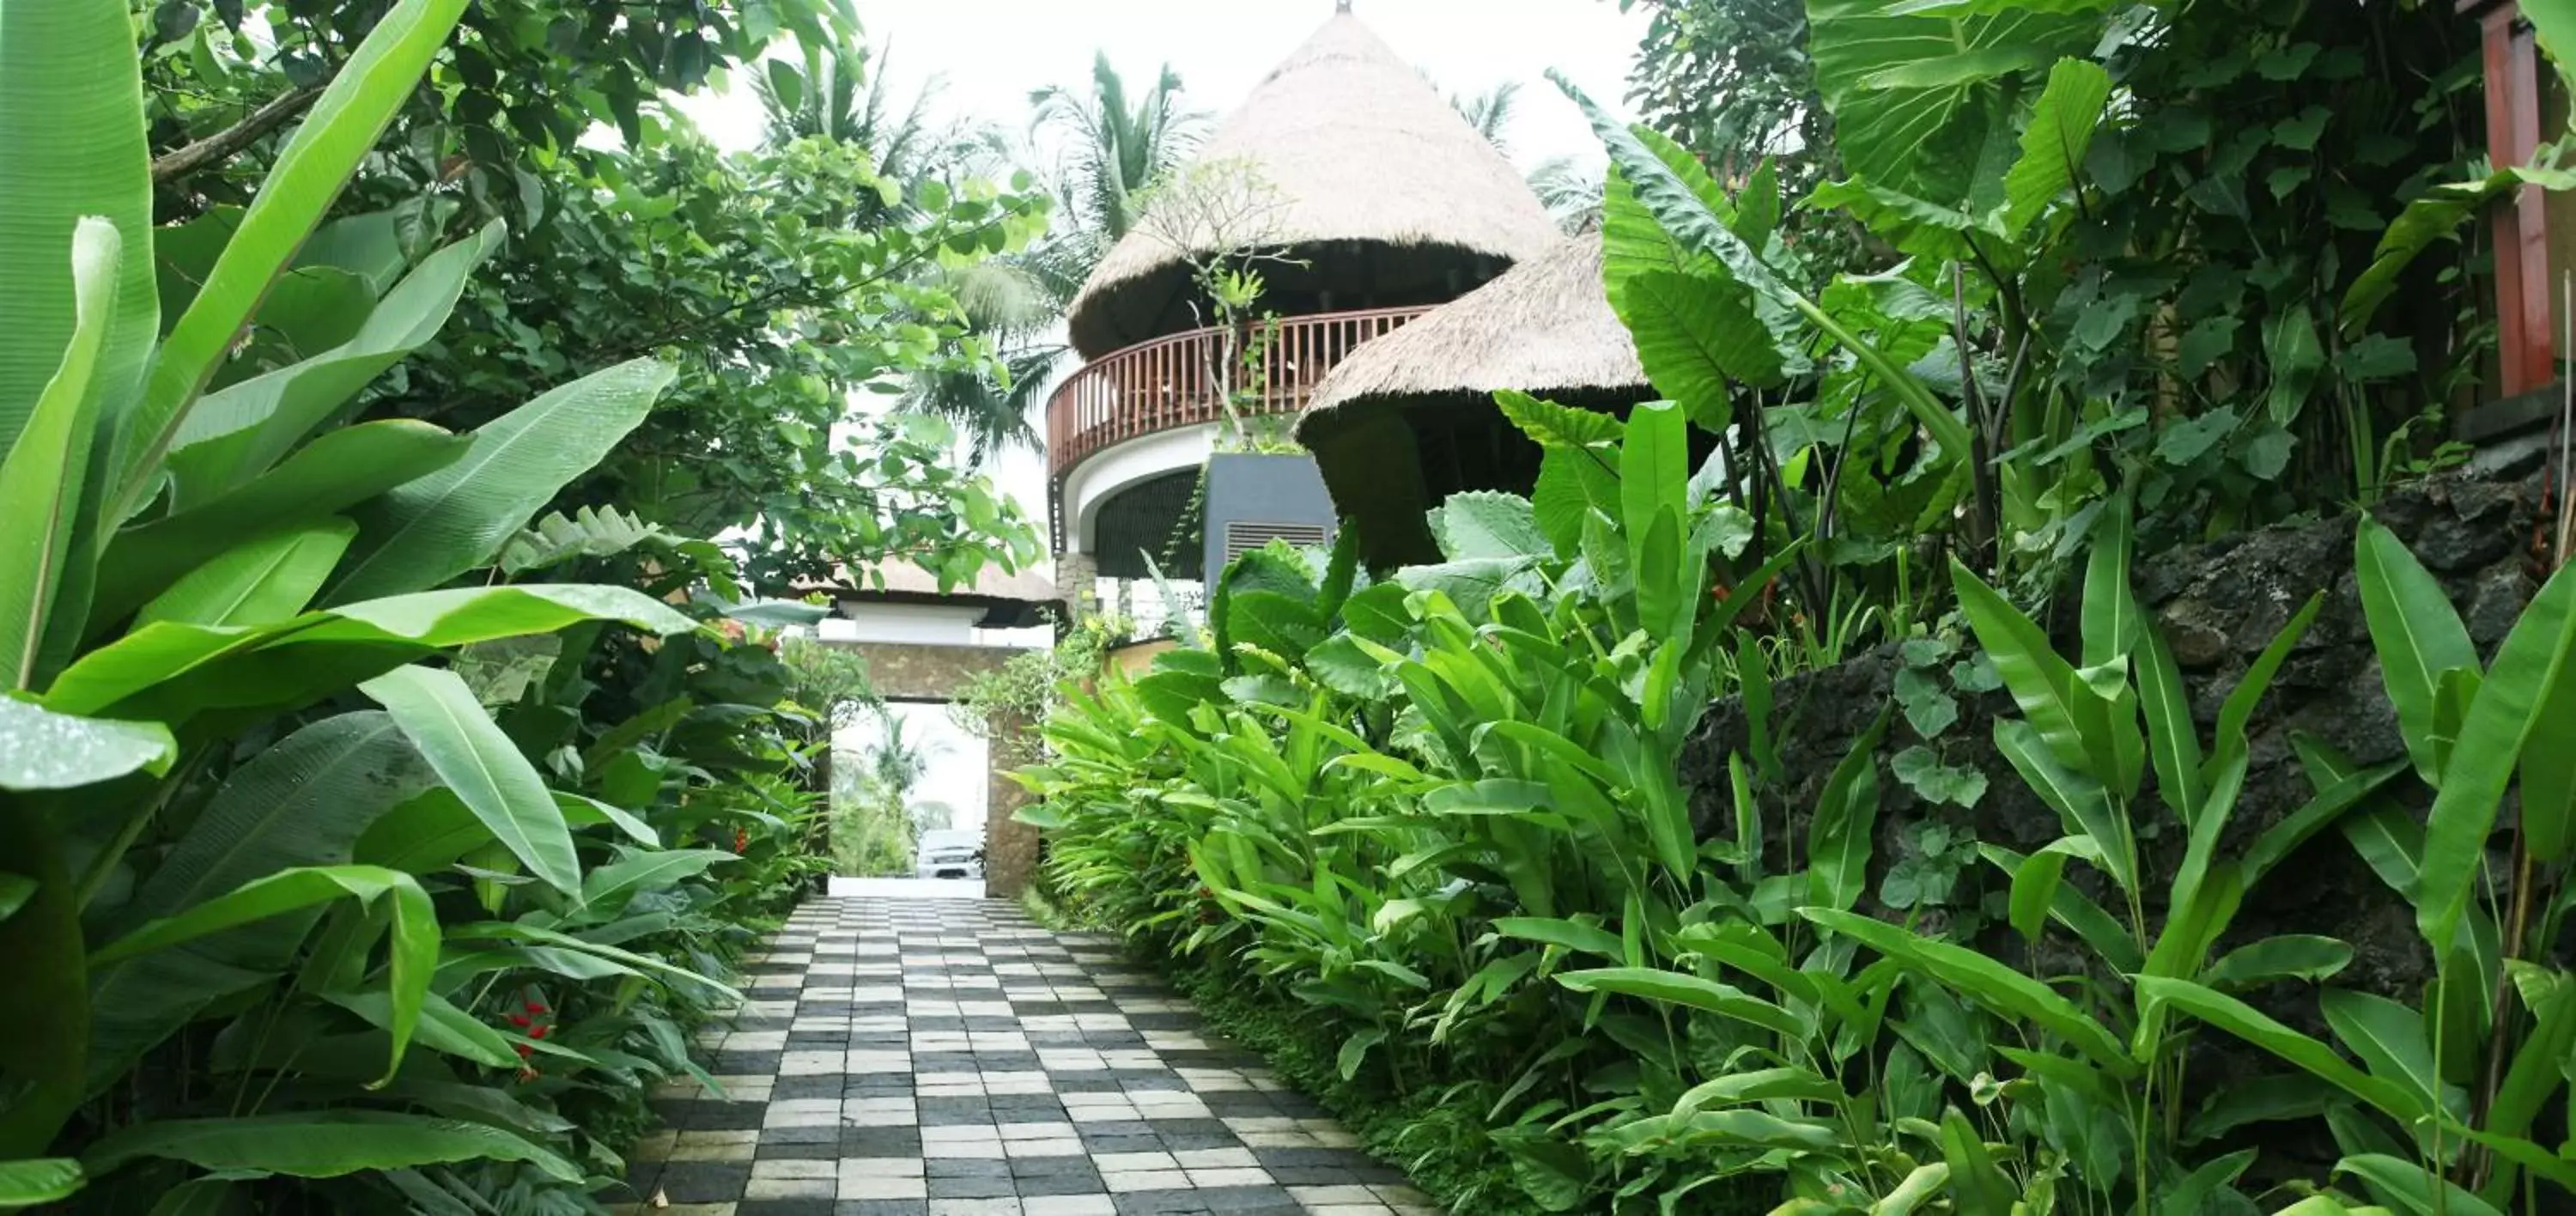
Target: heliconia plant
(2473, 1067)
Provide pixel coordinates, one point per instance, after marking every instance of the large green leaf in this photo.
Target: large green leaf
(41, 476)
(321, 1144)
(2292, 956)
(1562, 933)
(340, 469)
(1556, 426)
(606, 889)
(2083, 807)
(2416, 632)
(409, 965)
(2436, 215)
(441, 717)
(2415, 1190)
(238, 432)
(1845, 826)
(2245, 1022)
(2067, 906)
(1487, 524)
(2042, 683)
(1914, 95)
(1689, 220)
(1696, 335)
(257, 582)
(307, 176)
(1984, 981)
(443, 1027)
(38, 1180)
(1633, 241)
(2548, 770)
(2238, 709)
(1678, 988)
(589, 532)
(1918, 228)
(304, 801)
(2053, 146)
(183, 668)
(429, 531)
(2539, 1061)
(72, 136)
(2389, 1037)
(41, 749)
(2535, 657)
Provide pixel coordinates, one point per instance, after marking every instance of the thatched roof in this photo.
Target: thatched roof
(1544, 328)
(1357, 148)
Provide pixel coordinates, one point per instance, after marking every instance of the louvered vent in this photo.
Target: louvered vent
(1244, 536)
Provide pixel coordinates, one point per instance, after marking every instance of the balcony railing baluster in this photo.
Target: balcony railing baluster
(1167, 383)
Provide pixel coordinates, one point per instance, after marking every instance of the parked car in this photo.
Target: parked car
(950, 854)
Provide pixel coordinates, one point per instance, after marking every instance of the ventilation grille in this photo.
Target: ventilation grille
(1243, 536)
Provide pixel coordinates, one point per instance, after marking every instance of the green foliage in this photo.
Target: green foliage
(259, 932)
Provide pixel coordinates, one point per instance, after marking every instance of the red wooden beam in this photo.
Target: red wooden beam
(2525, 335)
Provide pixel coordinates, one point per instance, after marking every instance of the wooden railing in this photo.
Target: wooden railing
(1171, 382)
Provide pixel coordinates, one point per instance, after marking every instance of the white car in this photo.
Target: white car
(950, 854)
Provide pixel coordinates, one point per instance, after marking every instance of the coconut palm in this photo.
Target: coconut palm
(898, 763)
(1106, 149)
(1112, 148)
(1490, 112)
(1568, 192)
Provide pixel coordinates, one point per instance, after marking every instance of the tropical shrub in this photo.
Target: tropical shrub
(1433, 816)
(331, 885)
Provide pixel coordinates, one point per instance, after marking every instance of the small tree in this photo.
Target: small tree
(1224, 220)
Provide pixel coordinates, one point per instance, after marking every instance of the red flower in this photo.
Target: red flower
(525, 1051)
(536, 1007)
(538, 1033)
(519, 1019)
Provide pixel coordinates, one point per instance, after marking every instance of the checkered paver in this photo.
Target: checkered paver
(951, 1058)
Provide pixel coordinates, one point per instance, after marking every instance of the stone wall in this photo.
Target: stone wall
(2219, 604)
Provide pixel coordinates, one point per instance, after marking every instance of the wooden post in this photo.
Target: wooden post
(2526, 338)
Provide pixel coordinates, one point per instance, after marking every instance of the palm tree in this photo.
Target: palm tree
(1109, 149)
(840, 96)
(1569, 193)
(1490, 112)
(898, 763)
(1114, 149)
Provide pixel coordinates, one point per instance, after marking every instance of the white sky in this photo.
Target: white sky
(989, 54)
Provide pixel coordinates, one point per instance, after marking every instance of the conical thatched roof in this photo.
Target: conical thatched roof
(1544, 328)
(1358, 150)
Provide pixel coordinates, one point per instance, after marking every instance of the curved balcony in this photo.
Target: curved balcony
(1169, 382)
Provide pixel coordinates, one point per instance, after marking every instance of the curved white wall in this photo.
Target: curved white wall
(1112, 469)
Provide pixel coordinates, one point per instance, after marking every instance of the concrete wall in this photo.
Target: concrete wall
(1262, 490)
(933, 624)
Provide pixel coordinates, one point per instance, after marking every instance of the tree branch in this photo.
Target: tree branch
(220, 146)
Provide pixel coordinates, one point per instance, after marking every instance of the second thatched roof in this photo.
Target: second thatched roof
(1356, 148)
(1544, 328)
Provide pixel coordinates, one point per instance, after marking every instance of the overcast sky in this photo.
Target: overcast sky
(987, 55)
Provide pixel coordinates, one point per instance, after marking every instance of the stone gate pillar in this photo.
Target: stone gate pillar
(1010, 847)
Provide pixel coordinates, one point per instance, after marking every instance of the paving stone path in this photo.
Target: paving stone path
(950, 1058)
